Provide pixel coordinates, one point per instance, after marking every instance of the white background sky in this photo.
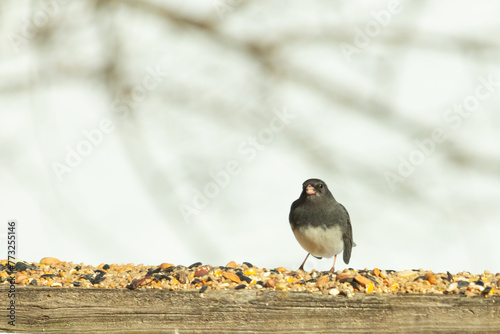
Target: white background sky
(224, 70)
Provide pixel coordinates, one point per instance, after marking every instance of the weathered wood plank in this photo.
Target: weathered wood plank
(69, 310)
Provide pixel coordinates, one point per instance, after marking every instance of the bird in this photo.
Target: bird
(321, 225)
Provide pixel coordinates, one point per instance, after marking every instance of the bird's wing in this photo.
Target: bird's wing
(292, 217)
(347, 237)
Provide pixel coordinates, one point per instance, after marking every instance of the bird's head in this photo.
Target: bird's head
(315, 188)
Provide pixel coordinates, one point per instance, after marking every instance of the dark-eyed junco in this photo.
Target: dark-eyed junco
(320, 224)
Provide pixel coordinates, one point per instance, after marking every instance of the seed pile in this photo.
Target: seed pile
(54, 273)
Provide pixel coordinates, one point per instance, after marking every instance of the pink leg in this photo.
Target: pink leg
(302, 265)
(333, 267)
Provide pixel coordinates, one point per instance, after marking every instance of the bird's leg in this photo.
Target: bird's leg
(302, 265)
(333, 267)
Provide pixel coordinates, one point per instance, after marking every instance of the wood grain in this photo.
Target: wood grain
(71, 310)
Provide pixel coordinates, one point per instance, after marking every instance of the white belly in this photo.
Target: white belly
(320, 242)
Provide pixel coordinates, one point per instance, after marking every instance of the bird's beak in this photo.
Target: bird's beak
(310, 190)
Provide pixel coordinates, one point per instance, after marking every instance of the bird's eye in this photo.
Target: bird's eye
(321, 186)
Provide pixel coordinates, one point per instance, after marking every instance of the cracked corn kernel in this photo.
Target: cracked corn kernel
(369, 288)
(431, 278)
(250, 271)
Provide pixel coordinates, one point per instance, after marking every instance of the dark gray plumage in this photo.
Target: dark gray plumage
(320, 224)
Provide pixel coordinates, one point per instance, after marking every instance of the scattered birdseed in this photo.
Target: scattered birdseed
(248, 276)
